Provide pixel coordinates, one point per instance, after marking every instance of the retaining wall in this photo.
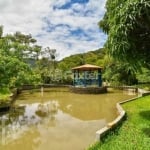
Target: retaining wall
(6, 105)
(122, 115)
(30, 87)
(88, 90)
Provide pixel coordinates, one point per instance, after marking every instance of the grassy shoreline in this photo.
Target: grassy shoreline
(4, 94)
(134, 134)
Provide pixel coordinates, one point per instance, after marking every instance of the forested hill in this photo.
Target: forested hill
(92, 57)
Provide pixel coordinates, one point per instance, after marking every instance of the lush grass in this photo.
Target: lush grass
(4, 94)
(134, 134)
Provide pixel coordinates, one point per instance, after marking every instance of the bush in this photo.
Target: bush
(4, 94)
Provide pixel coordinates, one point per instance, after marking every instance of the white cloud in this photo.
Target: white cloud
(56, 27)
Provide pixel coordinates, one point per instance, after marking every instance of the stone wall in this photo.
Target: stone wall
(88, 90)
(121, 116)
(30, 87)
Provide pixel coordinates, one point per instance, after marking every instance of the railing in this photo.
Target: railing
(122, 87)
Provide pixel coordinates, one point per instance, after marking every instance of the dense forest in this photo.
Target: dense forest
(114, 72)
(22, 62)
(95, 57)
(126, 24)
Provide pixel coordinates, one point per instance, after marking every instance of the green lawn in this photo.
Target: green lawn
(134, 133)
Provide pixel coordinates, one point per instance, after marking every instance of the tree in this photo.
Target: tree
(36, 51)
(14, 73)
(119, 73)
(127, 23)
(21, 45)
(46, 66)
(1, 31)
(144, 77)
(14, 69)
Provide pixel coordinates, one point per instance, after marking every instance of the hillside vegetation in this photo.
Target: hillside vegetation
(92, 57)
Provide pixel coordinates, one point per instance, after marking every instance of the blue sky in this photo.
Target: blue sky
(69, 26)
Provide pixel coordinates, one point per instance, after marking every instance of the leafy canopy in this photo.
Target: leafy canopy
(15, 49)
(127, 23)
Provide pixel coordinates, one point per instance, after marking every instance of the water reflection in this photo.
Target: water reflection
(47, 108)
(41, 121)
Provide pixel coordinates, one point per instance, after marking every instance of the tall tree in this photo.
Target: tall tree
(14, 70)
(127, 23)
(1, 31)
(46, 66)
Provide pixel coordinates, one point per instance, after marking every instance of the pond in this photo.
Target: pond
(56, 119)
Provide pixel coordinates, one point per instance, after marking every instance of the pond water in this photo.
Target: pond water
(56, 119)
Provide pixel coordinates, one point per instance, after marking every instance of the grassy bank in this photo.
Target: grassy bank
(134, 134)
(4, 94)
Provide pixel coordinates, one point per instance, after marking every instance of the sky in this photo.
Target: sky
(69, 26)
